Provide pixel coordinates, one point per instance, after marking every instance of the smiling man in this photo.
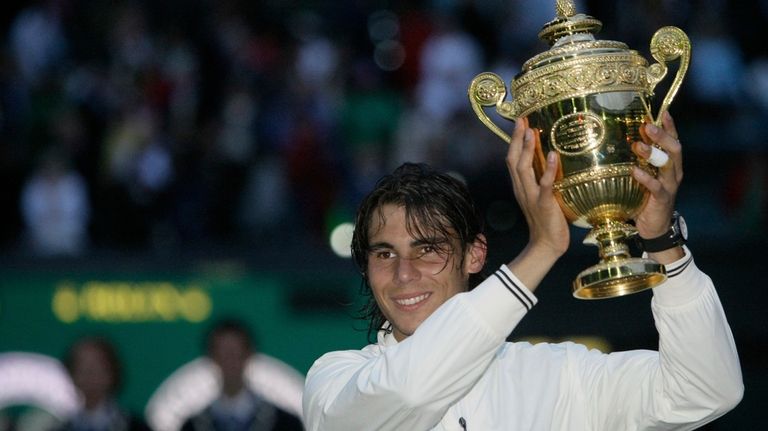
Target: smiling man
(441, 361)
(410, 277)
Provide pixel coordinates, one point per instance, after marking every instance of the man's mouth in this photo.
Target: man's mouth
(412, 301)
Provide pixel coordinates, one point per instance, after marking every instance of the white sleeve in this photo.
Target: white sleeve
(411, 384)
(695, 376)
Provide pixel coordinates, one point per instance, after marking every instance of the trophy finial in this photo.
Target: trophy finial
(569, 23)
(565, 8)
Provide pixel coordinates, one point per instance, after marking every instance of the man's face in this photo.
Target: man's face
(230, 352)
(409, 277)
(92, 373)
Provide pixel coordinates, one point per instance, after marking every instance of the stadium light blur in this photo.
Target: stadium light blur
(341, 239)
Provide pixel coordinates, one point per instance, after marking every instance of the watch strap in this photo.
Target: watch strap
(670, 239)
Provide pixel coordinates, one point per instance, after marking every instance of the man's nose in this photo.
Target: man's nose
(407, 270)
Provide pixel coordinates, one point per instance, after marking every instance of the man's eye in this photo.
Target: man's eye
(383, 254)
(427, 249)
(430, 253)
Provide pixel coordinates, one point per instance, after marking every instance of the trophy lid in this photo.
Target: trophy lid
(576, 64)
(568, 25)
(570, 34)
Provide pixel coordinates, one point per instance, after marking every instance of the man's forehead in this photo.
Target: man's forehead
(382, 216)
(417, 229)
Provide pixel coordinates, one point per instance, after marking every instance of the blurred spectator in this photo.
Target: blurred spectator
(757, 75)
(237, 407)
(263, 205)
(443, 71)
(422, 128)
(55, 208)
(139, 173)
(234, 150)
(180, 67)
(131, 43)
(718, 67)
(37, 41)
(311, 173)
(95, 368)
(368, 120)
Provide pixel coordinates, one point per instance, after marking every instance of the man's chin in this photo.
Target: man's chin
(404, 331)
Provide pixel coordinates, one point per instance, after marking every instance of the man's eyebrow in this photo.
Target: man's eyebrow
(436, 240)
(379, 245)
(415, 243)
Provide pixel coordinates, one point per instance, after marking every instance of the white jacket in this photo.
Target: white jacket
(456, 371)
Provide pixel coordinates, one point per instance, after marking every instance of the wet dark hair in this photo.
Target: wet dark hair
(437, 206)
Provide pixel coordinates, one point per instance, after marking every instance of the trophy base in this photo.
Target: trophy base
(620, 277)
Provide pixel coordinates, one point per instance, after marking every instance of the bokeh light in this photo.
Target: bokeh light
(341, 239)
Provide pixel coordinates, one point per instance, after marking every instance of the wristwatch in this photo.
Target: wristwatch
(677, 235)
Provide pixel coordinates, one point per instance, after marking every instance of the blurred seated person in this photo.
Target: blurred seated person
(229, 345)
(95, 369)
(55, 208)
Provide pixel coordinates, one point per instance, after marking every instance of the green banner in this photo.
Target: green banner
(157, 320)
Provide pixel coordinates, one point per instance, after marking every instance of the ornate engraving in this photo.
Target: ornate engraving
(577, 133)
(489, 90)
(667, 44)
(610, 171)
(567, 50)
(578, 77)
(565, 8)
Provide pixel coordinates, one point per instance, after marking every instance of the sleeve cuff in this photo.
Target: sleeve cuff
(502, 300)
(682, 285)
(516, 287)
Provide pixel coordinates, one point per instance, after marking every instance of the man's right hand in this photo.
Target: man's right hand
(549, 234)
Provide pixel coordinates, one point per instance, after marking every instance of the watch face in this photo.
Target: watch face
(683, 227)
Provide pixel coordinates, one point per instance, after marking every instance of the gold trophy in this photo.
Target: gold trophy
(587, 99)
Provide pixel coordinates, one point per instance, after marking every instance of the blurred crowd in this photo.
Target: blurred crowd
(230, 387)
(169, 125)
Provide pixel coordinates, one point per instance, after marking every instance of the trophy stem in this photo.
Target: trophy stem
(618, 273)
(612, 246)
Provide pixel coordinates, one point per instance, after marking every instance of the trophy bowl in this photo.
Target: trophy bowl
(588, 99)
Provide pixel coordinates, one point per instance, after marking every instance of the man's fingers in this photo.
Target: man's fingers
(658, 157)
(548, 179)
(669, 125)
(516, 143)
(666, 140)
(525, 163)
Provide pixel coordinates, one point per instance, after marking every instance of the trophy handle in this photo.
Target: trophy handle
(488, 89)
(667, 44)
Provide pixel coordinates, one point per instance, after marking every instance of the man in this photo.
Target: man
(441, 361)
(96, 371)
(237, 408)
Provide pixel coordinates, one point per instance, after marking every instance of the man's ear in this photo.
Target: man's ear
(476, 254)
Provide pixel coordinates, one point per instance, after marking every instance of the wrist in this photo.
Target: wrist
(668, 256)
(674, 237)
(544, 251)
(533, 264)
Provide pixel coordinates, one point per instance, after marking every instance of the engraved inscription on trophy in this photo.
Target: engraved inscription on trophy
(577, 133)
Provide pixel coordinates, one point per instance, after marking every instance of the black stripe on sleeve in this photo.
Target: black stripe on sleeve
(673, 272)
(514, 289)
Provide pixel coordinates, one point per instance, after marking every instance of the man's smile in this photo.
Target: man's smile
(412, 301)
